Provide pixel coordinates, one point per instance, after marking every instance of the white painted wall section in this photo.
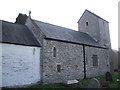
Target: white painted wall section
(20, 65)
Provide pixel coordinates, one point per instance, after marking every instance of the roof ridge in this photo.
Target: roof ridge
(54, 25)
(96, 15)
(12, 23)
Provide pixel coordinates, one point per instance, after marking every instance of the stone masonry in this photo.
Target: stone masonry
(103, 61)
(69, 56)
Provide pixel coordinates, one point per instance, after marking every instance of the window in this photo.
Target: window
(54, 52)
(58, 68)
(86, 23)
(95, 60)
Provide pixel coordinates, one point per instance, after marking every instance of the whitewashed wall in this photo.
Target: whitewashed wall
(20, 65)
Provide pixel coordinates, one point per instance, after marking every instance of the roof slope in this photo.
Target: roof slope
(65, 34)
(17, 34)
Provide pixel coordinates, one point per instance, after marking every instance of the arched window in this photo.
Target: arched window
(54, 52)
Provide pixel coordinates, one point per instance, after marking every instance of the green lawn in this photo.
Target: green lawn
(101, 79)
(115, 84)
(58, 85)
(85, 82)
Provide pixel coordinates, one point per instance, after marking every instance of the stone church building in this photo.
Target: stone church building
(35, 51)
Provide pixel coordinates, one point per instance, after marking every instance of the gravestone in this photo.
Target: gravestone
(72, 81)
(108, 77)
(93, 83)
(72, 84)
(118, 80)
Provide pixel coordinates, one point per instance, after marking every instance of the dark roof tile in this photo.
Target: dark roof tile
(65, 34)
(17, 34)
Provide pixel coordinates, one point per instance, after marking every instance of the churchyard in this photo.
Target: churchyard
(105, 81)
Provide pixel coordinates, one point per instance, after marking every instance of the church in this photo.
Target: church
(38, 52)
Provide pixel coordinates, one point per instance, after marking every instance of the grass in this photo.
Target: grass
(57, 85)
(114, 84)
(85, 82)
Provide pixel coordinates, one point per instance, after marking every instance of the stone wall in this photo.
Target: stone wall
(20, 65)
(104, 33)
(114, 58)
(69, 56)
(103, 61)
(119, 59)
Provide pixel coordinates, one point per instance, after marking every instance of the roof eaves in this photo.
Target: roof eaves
(76, 43)
(21, 44)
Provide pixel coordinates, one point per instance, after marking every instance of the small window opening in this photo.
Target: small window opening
(95, 60)
(54, 52)
(86, 23)
(58, 68)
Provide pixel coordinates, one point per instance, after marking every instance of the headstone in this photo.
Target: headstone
(118, 80)
(72, 81)
(93, 83)
(108, 77)
(72, 84)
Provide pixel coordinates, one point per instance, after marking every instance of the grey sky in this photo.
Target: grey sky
(64, 13)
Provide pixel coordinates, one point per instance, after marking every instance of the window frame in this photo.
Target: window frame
(95, 60)
(58, 69)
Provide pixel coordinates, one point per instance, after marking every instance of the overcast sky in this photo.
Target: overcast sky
(64, 13)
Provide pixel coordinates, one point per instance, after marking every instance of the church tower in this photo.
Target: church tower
(96, 27)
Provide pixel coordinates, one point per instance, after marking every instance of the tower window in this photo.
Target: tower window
(58, 68)
(54, 52)
(95, 60)
(86, 23)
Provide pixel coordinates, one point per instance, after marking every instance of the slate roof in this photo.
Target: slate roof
(65, 34)
(17, 34)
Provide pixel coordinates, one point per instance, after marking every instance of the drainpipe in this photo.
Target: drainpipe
(84, 62)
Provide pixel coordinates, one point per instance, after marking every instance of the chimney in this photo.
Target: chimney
(21, 19)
